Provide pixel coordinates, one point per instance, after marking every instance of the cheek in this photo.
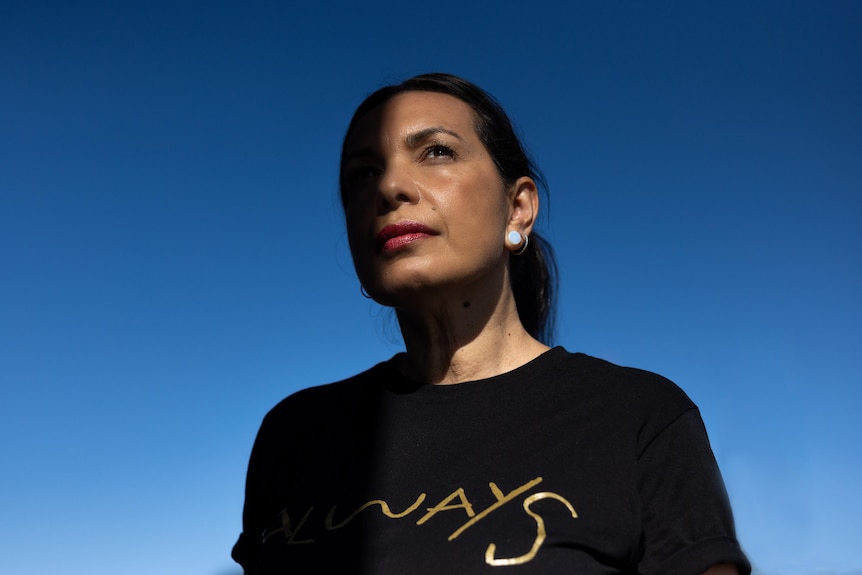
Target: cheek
(357, 251)
(355, 222)
(488, 211)
(482, 196)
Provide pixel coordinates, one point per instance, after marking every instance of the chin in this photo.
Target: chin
(401, 292)
(396, 296)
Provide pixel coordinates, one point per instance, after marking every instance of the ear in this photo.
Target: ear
(524, 205)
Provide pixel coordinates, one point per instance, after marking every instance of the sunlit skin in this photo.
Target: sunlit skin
(427, 212)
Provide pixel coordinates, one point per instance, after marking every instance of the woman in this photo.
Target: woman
(479, 449)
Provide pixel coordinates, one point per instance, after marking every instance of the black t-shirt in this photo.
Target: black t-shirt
(568, 464)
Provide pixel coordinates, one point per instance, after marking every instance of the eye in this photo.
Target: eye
(439, 151)
(359, 180)
(366, 172)
(362, 173)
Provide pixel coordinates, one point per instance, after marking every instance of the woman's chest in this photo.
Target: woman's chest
(471, 496)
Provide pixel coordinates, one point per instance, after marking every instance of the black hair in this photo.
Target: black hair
(534, 273)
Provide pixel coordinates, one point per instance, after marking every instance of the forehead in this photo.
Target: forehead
(410, 112)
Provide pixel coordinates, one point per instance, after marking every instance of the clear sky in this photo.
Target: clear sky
(172, 258)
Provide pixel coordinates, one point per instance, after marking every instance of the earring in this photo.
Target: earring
(363, 292)
(515, 239)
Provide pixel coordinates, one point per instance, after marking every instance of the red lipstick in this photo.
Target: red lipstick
(400, 234)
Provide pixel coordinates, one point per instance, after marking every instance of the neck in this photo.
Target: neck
(463, 339)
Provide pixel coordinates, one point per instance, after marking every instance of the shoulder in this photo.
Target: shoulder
(628, 384)
(329, 395)
(638, 399)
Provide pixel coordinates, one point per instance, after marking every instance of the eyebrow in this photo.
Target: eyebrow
(360, 153)
(416, 138)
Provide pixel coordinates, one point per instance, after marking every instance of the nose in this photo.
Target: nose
(395, 187)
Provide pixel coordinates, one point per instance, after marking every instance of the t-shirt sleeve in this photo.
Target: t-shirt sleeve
(688, 524)
(245, 552)
(247, 548)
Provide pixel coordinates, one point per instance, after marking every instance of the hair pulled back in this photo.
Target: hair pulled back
(533, 274)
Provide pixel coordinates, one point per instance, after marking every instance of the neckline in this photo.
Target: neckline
(398, 383)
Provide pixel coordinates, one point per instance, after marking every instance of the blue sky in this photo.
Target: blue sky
(172, 259)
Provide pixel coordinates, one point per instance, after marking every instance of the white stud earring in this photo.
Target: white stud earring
(515, 239)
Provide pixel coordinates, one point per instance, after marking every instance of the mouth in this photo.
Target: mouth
(400, 234)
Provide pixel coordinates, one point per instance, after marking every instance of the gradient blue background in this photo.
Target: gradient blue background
(172, 259)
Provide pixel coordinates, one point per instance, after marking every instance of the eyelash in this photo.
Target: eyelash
(432, 150)
(364, 172)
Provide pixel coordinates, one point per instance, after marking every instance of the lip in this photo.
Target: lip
(402, 233)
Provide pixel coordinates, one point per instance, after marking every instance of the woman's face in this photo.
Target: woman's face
(426, 208)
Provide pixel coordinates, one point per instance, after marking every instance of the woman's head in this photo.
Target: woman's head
(498, 169)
